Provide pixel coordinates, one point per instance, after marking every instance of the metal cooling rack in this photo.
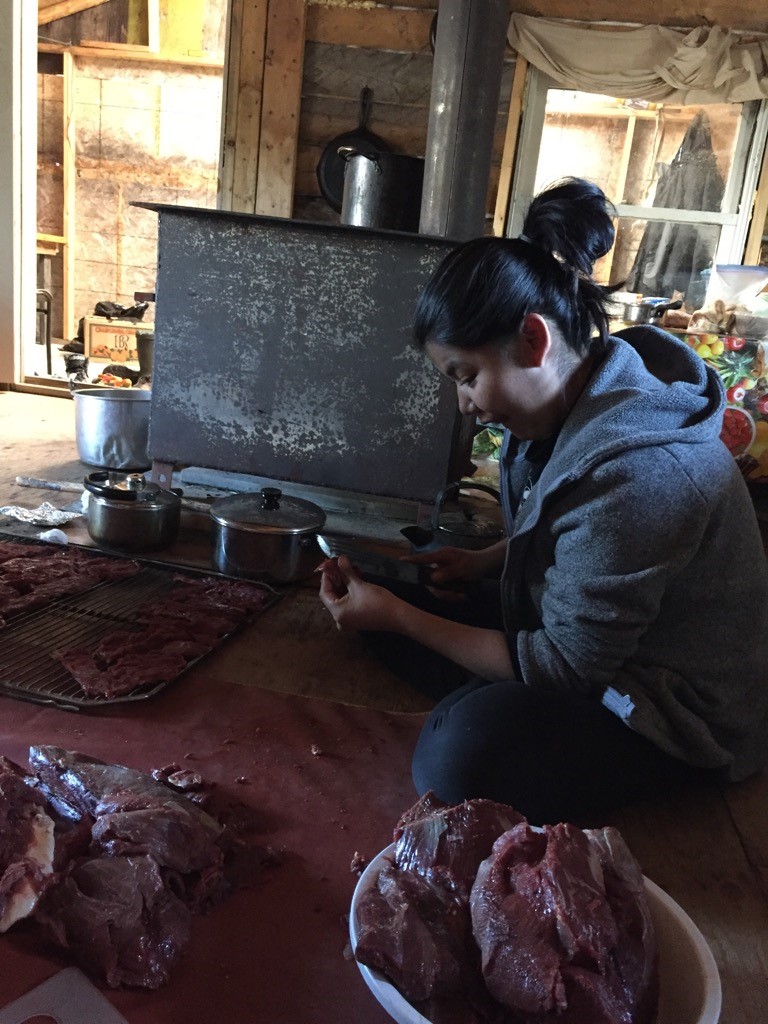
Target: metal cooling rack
(28, 670)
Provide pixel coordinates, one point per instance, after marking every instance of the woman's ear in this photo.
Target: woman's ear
(535, 340)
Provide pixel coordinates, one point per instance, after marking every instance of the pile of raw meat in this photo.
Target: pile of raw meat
(109, 864)
(33, 575)
(165, 634)
(479, 918)
(189, 621)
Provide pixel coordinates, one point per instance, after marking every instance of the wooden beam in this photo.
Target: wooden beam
(759, 224)
(116, 49)
(621, 183)
(431, 5)
(510, 146)
(749, 15)
(52, 11)
(120, 51)
(69, 174)
(241, 120)
(281, 102)
(375, 28)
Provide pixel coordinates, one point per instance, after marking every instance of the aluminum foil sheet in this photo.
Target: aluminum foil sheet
(44, 515)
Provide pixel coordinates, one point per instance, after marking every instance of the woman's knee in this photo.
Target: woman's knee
(440, 766)
(502, 741)
(460, 740)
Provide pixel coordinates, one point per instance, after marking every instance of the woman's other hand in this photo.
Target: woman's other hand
(451, 564)
(355, 604)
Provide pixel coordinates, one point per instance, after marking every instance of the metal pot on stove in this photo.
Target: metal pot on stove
(129, 513)
(460, 527)
(647, 310)
(268, 534)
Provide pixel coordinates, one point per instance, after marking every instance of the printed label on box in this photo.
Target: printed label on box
(111, 341)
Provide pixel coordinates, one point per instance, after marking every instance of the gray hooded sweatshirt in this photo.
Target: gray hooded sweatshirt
(635, 570)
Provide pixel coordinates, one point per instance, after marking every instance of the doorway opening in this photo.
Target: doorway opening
(129, 106)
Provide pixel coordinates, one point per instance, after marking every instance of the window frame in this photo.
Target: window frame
(734, 219)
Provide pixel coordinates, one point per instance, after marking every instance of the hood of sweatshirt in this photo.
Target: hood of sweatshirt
(648, 389)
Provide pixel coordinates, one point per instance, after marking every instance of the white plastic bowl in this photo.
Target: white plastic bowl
(689, 983)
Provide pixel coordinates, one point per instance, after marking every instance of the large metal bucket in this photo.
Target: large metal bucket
(381, 190)
(112, 427)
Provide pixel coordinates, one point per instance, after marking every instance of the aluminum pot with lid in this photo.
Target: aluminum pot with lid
(266, 535)
(128, 513)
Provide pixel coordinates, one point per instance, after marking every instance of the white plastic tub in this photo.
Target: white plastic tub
(689, 982)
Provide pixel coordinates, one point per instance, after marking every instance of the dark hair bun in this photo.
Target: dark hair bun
(572, 219)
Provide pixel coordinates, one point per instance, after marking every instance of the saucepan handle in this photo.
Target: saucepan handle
(102, 483)
(452, 491)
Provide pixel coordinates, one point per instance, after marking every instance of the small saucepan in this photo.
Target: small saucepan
(647, 310)
(266, 535)
(128, 513)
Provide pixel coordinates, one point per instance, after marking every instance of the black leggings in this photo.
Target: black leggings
(551, 755)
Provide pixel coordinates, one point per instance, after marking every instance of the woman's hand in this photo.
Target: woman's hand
(355, 604)
(461, 564)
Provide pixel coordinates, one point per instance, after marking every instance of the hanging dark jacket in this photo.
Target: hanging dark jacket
(673, 257)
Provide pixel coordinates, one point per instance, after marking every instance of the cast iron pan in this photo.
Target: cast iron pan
(330, 166)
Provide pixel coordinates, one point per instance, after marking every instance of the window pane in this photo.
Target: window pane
(640, 154)
(665, 259)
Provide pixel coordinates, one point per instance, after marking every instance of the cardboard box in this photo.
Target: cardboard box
(112, 341)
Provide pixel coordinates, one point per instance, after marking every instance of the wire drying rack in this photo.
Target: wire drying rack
(28, 670)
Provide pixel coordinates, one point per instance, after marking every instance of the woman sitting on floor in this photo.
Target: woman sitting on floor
(628, 652)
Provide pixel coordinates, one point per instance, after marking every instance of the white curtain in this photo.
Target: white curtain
(705, 65)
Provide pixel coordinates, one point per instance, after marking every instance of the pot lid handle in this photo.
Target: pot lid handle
(271, 498)
(123, 486)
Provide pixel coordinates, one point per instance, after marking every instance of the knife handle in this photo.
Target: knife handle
(49, 485)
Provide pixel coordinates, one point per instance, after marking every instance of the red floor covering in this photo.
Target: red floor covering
(273, 954)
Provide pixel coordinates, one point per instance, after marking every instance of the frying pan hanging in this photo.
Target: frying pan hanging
(330, 166)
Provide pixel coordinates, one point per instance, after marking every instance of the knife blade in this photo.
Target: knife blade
(374, 565)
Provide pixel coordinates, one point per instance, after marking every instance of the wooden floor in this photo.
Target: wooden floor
(710, 852)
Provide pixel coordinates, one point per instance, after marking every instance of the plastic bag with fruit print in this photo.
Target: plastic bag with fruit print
(743, 368)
